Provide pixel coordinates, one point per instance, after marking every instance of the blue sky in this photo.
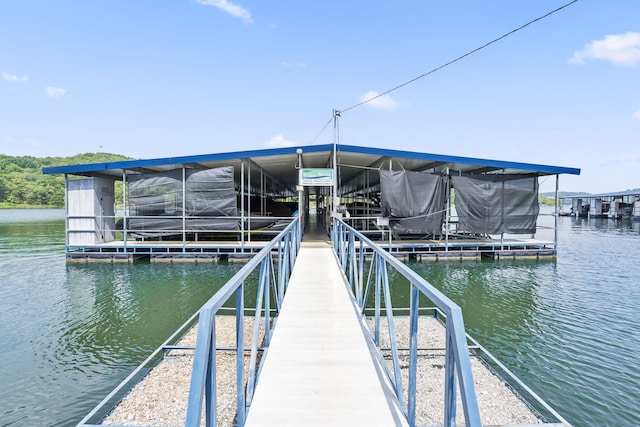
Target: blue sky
(149, 78)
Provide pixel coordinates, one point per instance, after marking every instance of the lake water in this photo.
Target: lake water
(71, 332)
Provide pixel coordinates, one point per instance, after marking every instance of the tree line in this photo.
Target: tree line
(22, 183)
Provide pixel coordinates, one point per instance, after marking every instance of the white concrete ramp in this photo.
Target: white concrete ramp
(319, 369)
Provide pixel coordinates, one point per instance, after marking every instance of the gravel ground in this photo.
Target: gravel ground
(160, 399)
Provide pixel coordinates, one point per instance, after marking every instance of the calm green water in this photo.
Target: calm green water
(71, 332)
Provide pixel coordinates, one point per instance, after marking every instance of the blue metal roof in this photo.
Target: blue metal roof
(368, 156)
(457, 160)
(183, 160)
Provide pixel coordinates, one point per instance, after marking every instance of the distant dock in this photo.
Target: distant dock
(621, 205)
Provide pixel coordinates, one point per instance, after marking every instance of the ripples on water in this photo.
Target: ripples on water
(71, 332)
(568, 328)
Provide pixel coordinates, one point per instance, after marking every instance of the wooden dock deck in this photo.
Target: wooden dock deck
(320, 369)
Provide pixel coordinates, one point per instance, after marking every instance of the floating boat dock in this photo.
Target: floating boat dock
(329, 353)
(621, 205)
(228, 205)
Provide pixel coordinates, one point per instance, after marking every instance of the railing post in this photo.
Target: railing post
(360, 273)
(376, 337)
(414, 306)
(457, 340)
(352, 259)
(449, 379)
(202, 365)
(241, 406)
(251, 380)
(392, 334)
(457, 361)
(280, 273)
(211, 397)
(264, 278)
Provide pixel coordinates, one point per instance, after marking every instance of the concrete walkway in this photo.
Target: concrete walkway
(319, 369)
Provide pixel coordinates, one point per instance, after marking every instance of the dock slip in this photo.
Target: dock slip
(320, 369)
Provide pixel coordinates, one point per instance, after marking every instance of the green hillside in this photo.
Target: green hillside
(22, 183)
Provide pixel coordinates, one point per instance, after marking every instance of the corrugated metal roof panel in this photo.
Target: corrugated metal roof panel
(281, 163)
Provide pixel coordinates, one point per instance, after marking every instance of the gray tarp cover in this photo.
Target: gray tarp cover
(155, 193)
(494, 204)
(414, 201)
(209, 193)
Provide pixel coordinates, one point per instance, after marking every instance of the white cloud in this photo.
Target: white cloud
(636, 115)
(619, 49)
(384, 102)
(294, 64)
(13, 78)
(232, 9)
(56, 92)
(279, 141)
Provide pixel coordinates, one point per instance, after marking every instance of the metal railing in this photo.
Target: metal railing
(202, 392)
(353, 248)
(284, 249)
(351, 253)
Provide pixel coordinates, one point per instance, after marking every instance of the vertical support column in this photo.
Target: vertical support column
(447, 213)
(262, 193)
(242, 204)
(125, 207)
(336, 137)
(555, 219)
(301, 216)
(66, 214)
(249, 201)
(182, 208)
(502, 215)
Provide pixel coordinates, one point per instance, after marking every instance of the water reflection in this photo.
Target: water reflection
(71, 332)
(122, 312)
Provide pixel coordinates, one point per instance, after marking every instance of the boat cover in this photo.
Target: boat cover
(413, 201)
(495, 204)
(156, 202)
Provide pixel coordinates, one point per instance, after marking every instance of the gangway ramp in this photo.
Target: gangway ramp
(320, 370)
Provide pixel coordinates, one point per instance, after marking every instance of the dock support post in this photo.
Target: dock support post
(555, 226)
